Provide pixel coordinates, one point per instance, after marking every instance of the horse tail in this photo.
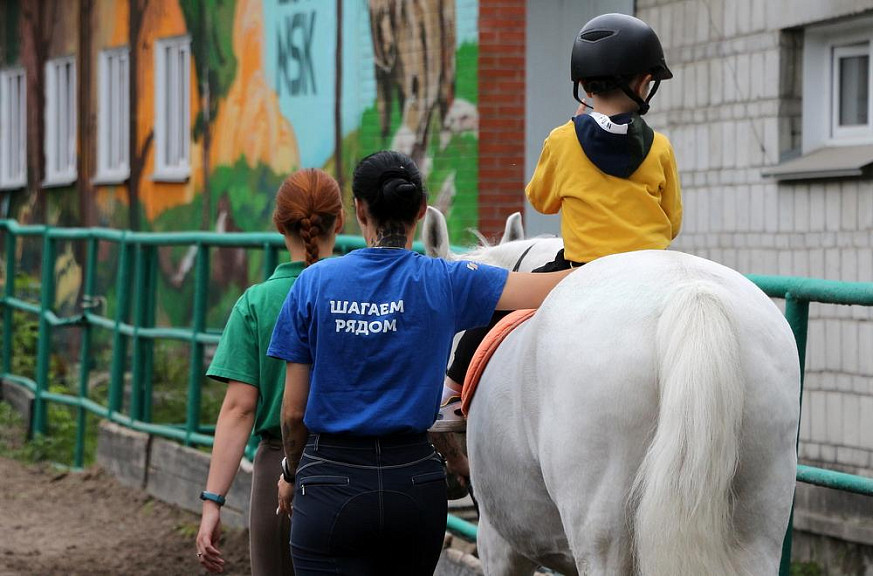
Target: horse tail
(683, 489)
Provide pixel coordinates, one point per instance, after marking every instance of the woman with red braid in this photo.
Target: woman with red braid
(309, 214)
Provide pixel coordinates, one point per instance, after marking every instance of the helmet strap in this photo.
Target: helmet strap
(576, 96)
(643, 104)
(652, 91)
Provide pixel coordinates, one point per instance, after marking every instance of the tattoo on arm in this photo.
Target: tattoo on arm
(451, 451)
(288, 442)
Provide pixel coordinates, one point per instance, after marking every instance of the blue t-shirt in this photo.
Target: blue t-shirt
(377, 327)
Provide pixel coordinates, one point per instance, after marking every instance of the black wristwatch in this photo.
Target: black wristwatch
(286, 472)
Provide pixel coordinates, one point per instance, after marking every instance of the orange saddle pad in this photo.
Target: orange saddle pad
(486, 349)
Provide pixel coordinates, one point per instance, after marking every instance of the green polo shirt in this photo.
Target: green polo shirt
(242, 352)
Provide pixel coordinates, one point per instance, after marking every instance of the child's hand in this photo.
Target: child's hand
(580, 110)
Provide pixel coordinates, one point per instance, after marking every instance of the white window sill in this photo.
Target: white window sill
(59, 181)
(171, 177)
(14, 185)
(825, 162)
(860, 140)
(110, 179)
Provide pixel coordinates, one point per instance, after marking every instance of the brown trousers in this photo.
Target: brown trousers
(269, 535)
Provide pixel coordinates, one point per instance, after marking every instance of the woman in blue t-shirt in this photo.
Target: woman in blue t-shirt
(366, 338)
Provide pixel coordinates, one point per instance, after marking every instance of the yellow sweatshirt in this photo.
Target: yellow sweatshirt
(603, 214)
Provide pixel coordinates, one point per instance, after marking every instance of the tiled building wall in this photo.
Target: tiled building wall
(732, 110)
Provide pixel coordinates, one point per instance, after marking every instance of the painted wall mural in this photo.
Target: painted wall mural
(406, 79)
(276, 85)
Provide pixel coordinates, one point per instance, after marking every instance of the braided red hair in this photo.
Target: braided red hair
(307, 204)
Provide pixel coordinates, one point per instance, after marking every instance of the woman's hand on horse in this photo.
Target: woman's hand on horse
(527, 290)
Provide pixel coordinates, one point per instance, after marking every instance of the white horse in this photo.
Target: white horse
(643, 421)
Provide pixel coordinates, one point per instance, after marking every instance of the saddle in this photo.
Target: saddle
(486, 350)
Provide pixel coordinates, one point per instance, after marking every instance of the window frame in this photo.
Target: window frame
(823, 45)
(113, 116)
(849, 132)
(172, 156)
(60, 171)
(9, 179)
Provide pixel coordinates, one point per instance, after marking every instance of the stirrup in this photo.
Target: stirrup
(450, 418)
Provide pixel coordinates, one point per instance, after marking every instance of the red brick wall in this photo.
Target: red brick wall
(501, 112)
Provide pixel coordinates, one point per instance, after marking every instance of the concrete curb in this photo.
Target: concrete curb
(168, 471)
(19, 398)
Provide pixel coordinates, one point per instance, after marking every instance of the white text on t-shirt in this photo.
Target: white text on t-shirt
(365, 327)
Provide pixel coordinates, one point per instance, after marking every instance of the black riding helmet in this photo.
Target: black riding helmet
(611, 49)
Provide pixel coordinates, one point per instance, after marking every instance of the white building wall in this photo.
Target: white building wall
(732, 110)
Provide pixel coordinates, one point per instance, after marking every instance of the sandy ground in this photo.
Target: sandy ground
(55, 522)
(86, 523)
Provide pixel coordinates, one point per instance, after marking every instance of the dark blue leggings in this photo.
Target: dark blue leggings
(365, 505)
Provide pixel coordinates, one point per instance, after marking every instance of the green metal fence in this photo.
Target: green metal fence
(798, 293)
(133, 325)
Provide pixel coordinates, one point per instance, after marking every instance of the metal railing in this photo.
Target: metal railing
(798, 293)
(133, 322)
(136, 278)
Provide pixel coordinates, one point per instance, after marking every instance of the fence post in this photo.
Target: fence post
(11, 241)
(85, 352)
(119, 341)
(195, 373)
(797, 314)
(270, 260)
(150, 262)
(139, 312)
(44, 342)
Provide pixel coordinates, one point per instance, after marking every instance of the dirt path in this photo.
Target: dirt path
(86, 523)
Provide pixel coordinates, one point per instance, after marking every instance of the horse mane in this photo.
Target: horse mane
(483, 241)
(502, 255)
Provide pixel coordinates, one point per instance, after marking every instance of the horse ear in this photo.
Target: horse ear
(513, 229)
(435, 233)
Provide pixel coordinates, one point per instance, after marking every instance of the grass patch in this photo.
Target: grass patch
(806, 569)
(57, 446)
(188, 530)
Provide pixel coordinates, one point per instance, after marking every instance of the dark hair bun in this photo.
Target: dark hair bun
(391, 185)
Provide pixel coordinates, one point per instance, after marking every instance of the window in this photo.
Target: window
(837, 108)
(173, 109)
(60, 122)
(13, 129)
(850, 106)
(836, 111)
(113, 119)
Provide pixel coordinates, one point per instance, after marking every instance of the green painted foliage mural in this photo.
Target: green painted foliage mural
(10, 41)
(210, 23)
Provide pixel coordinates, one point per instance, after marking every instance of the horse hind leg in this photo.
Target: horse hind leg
(498, 556)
